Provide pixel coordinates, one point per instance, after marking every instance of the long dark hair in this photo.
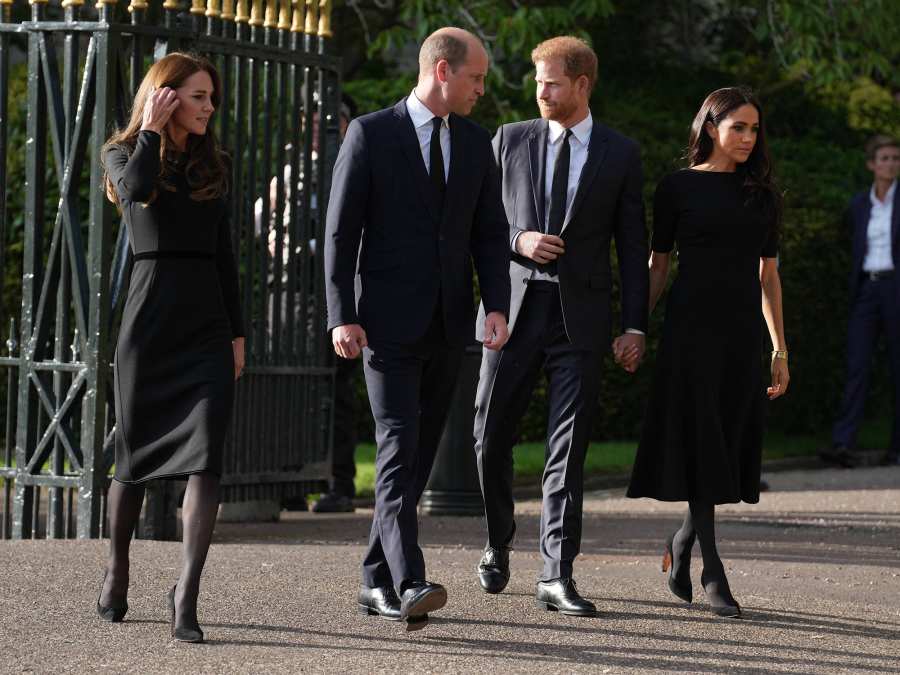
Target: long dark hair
(207, 169)
(759, 181)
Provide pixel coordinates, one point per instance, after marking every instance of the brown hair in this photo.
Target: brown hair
(878, 142)
(759, 181)
(577, 56)
(207, 169)
(443, 45)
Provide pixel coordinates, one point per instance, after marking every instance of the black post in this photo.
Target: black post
(453, 488)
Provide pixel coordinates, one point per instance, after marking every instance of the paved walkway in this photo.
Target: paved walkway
(816, 566)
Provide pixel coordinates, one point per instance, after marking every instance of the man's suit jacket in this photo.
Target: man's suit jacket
(384, 223)
(856, 220)
(608, 202)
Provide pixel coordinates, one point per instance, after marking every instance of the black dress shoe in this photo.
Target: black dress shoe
(560, 595)
(683, 592)
(333, 502)
(890, 459)
(493, 569)
(183, 633)
(721, 602)
(421, 597)
(378, 601)
(111, 614)
(839, 455)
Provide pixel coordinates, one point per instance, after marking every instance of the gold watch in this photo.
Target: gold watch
(780, 354)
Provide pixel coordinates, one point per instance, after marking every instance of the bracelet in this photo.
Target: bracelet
(780, 354)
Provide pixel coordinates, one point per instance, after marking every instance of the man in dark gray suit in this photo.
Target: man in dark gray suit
(416, 196)
(570, 185)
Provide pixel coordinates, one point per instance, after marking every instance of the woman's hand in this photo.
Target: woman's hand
(159, 108)
(780, 378)
(238, 346)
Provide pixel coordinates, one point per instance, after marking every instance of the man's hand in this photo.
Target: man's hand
(541, 248)
(496, 333)
(348, 340)
(628, 350)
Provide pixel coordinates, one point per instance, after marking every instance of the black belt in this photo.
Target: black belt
(156, 255)
(878, 276)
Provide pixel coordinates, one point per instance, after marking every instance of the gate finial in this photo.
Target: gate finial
(325, 18)
(65, 3)
(242, 15)
(271, 14)
(227, 10)
(312, 17)
(284, 15)
(212, 9)
(198, 7)
(137, 5)
(299, 15)
(256, 13)
(172, 5)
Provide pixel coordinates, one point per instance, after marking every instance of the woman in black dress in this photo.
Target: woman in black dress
(180, 345)
(702, 436)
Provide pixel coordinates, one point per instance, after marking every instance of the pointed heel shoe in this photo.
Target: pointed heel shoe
(727, 611)
(182, 633)
(685, 593)
(111, 614)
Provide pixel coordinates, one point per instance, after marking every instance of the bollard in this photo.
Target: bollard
(453, 488)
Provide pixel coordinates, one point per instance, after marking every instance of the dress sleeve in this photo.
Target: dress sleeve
(770, 248)
(228, 277)
(665, 217)
(135, 175)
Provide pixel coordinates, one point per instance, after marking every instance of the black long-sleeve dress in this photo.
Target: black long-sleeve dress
(174, 363)
(702, 434)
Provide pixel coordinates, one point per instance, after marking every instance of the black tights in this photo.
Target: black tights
(700, 523)
(198, 518)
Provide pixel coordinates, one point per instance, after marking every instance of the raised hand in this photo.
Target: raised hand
(159, 108)
(541, 248)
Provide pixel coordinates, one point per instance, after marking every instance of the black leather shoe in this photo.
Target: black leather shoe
(188, 633)
(839, 455)
(111, 614)
(378, 601)
(560, 595)
(493, 569)
(421, 597)
(683, 592)
(890, 460)
(333, 502)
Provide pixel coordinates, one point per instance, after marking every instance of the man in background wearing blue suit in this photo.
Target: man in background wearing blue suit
(873, 218)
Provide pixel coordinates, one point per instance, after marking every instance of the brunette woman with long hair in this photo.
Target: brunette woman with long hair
(180, 346)
(702, 436)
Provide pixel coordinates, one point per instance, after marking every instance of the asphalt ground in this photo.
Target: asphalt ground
(815, 565)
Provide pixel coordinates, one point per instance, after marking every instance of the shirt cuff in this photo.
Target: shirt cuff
(634, 331)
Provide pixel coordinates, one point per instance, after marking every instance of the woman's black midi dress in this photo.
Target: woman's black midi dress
(702, 435)
(174, 364)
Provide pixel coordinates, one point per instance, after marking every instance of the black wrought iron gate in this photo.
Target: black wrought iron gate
(83, 63)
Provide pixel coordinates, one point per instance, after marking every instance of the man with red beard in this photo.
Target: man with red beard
(570, 185)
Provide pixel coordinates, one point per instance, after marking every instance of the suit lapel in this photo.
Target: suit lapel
(597, 147)
(409, 144)
(537, 153)
(457, 166)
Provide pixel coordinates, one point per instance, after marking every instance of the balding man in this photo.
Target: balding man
(415, 199)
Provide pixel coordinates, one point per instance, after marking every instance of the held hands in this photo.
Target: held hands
(348, 340)
(780, 379)
(159, 108)
(496, 332)
(238, 346)
(628, 350)
(542, 248)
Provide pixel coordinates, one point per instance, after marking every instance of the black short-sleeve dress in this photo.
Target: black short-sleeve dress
(174, 362)
(702, 434)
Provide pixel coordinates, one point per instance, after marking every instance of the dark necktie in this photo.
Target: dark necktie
(437, 162)
(559, 189)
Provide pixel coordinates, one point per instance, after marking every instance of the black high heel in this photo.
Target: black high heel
(727, 611)
(111, 614)
(685, 593)
(182, 633)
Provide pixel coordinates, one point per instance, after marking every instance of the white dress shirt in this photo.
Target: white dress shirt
(878, 250)
(421, 118)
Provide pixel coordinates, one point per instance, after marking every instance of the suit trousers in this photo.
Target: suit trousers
(346, 414)
(876, 309)
(410, 387)
(505, 384)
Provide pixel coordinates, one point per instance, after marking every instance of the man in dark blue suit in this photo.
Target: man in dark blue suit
(873, 218)
(571, 186)
(415, 199)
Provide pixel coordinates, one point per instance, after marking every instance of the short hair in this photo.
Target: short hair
(442, 46)
(878, 142)
(577, 56)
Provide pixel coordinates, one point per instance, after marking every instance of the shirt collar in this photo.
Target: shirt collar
(419, 112)
(581, 131)
(888, 198)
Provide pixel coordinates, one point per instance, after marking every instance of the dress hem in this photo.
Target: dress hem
(167, 476)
